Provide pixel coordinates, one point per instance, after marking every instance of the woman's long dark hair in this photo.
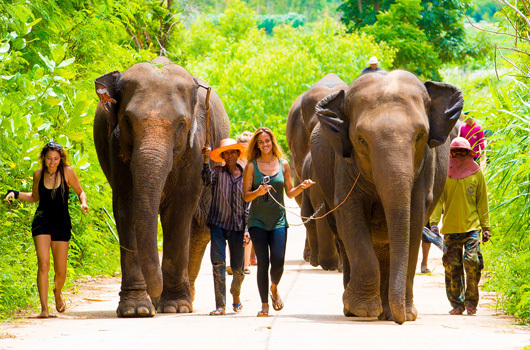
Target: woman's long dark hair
(54, 146)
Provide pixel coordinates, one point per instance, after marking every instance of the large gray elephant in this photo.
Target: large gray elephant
(389, 132)
(320, 243)
(149, 129)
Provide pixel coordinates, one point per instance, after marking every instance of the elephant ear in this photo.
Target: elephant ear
(330, 112)
(106, 88)
(444, 110)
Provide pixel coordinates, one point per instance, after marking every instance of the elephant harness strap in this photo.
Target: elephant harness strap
(208, 90)
(323, 216)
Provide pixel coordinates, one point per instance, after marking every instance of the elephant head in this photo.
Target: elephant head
(384, 125)
(151, 112)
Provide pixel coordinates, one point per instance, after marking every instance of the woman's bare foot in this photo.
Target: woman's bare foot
(60, 304)
(44, 314)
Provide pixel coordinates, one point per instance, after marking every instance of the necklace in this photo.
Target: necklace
(50, 174)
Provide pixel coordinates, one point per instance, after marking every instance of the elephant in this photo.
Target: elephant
(149, 129)
(322, 231)
(300, 123)
(386, 141)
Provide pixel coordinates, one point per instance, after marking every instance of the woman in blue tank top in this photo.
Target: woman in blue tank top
(267, 175)
(51, 224)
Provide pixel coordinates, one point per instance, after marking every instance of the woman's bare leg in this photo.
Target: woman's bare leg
(42, 247)
(60, 256)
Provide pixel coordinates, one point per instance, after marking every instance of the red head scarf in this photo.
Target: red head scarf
(460, 168)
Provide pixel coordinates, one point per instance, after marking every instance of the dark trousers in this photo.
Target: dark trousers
(270, 249)
(463, 252)
(219, 237)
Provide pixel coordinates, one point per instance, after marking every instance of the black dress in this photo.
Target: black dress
(52, 216)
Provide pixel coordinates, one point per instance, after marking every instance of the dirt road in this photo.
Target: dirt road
(312, 318)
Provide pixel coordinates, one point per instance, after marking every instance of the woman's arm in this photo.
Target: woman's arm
(31, 197)
(291, 191)
(73, 181)
(248, 178)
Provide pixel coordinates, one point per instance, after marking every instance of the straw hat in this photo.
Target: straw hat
(373, 60)
(226, 145)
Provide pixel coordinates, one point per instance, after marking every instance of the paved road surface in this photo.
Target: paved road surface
(312, 318)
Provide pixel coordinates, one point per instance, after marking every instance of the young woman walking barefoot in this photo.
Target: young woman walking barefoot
(51, 225)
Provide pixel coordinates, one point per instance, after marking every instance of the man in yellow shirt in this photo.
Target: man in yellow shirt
(464, 203)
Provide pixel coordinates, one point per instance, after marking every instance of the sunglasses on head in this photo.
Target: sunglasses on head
(54, 145)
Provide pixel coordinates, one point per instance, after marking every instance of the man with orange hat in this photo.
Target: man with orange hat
(226, 219)
(464, 203)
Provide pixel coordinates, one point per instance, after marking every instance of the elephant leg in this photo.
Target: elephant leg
(200, 237)
(328, 256)
(361, 297)
(307, 249)
(341, 259)
(176, 218)
(311, 229)
(134, 300)
(382, 252)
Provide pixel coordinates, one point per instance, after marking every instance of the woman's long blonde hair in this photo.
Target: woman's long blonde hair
(253, 152)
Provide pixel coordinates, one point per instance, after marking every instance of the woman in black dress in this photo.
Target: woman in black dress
(51, 226)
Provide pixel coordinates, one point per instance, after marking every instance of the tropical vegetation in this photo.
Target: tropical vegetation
(258, 56)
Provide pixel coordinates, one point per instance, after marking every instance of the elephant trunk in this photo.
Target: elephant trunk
(150, 165)
(394, 185)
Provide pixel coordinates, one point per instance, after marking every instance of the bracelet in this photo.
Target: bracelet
(15, 192)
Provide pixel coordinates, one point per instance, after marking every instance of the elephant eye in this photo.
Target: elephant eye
(363, 141)
(420, 136)
(127, 121)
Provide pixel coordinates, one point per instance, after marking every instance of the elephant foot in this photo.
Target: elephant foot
(386, 315)
(307, 255)
(192, 292)
(135, 304)
(329, 265)
(362, 307)
(181, 306)
(314, 261)
(411, 314)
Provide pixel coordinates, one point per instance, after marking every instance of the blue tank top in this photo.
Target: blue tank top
(267, 214)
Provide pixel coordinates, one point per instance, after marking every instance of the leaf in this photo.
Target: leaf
(54, 101)
(58, 52)
(66, 62)
(5, 47)
(50, 64)
(77, 136)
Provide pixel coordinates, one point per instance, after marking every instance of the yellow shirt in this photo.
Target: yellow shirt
(465, 205)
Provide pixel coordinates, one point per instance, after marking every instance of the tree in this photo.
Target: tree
(439, 25)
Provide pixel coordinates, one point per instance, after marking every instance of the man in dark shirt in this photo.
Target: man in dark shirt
(373, 62)
(227, 220)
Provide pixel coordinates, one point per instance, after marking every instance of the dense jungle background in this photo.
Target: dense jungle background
(259, 55)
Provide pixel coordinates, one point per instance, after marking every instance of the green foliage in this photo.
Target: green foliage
(268, 22)
(398, 27)
(312, 10)
(425, 33)
(509, 184)
(260, 76)
(483, 10)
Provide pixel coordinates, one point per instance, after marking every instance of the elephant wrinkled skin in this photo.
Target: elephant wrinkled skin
(149, 129)
(391, 132)
(320, 242)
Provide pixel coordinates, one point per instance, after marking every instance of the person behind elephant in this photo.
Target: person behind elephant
(473, 132)
(372, 63)
(464, 202)
(244, 138)
(51, 225)
(227, 220)
(267, 169)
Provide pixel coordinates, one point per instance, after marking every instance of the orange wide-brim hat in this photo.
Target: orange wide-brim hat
(227, 145)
